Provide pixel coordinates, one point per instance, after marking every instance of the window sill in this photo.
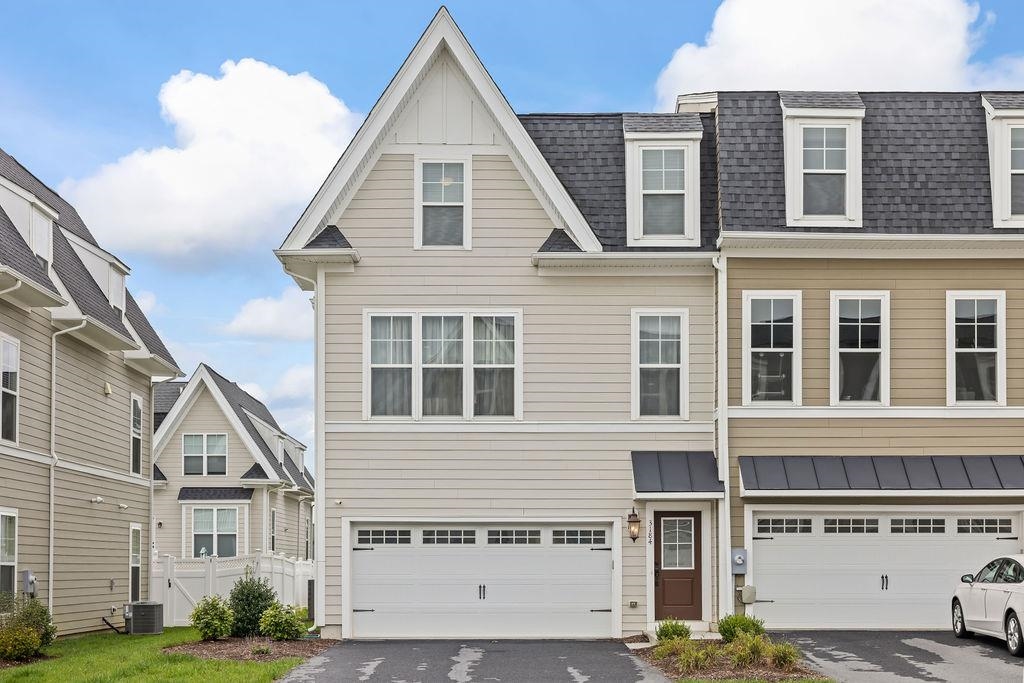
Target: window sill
(438, 247)
(676, 242)
(825, 222)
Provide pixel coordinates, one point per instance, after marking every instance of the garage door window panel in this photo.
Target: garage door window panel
(513, 536)
(578, 537)
(851, 525)
(984, 525)
(384, 537)
(771, 354)
(917, 526)
(449, 537)
(784, 525)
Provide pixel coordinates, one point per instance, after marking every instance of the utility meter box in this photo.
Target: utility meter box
(28, 583)
(748, 595)
(739, 561)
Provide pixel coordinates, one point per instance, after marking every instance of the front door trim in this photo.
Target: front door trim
(705, 508)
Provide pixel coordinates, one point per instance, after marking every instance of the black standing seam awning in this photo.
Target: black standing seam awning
(676, 472)
(882, 473)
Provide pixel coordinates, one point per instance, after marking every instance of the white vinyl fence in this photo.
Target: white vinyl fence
(180, 584)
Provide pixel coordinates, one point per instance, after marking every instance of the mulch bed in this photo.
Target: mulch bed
(638, 638)
(725, 670)
(241, 649)
(8, 664)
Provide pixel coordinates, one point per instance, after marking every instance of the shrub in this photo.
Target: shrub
(695, 656)
(303, 613)
(783, 656)
(18, 643)
(748, 649)
(733, 624)
(212, 617)
(22, 610)
(250, 597)
(280, 622)
(670, 628)
(669, 648)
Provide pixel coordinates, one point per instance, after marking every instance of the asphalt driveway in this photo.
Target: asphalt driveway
(870, 656)
(462, 661)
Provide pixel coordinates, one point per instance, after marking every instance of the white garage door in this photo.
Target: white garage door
(483, 581)
(864, 570)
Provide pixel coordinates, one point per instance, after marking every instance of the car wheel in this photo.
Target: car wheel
(959, 626)
(1014, 637)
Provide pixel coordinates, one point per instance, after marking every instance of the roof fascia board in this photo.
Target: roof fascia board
(30, 198)
(78, 243)
(39, 298)
(698, 103)
(822, 113)
(441, 32)
(995, 113)
(678, 135)
(770, 244)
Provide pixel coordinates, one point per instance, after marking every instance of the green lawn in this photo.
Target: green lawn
(103, 657)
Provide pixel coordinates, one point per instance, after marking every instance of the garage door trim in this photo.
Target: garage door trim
(347, 523)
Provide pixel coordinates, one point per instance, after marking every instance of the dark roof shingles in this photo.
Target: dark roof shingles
(809, 99)
(214, 493)
(88, 296)
(18, 256)
(145, 330)
(662, 123)
(329, 238)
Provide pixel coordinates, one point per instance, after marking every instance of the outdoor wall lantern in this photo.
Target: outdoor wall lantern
(633, 521)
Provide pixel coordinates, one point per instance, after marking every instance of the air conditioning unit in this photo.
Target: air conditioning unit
(143, 618)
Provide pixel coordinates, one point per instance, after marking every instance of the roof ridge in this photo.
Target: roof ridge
(38, 180)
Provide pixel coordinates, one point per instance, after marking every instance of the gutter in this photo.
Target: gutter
(17, 285)
(725, 579)
(53, 454)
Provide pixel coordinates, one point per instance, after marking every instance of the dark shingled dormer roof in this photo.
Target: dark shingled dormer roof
(88, 296)
(1005, 100)
(329, 238)
(255, 472)
(18, 256)
(662, 123)
(165, 394)
(821, 100)
(214, 493)
(158, 474)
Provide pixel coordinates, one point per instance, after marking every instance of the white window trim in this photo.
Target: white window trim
(794, 122)
(634, 192)
(684, 363)
(17, 394)
(132, 528)
(833, 344)
(999, 125)
(797, 296)
(467, 201)
(951, 297)
(132, 400)
(13, 512)
(273, 530)
(467, 357)
(214, 533)
(204, 454)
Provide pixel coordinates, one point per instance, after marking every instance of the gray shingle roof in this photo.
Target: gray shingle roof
(925, 163)
(158, 474)
(88, 296)
(309, 477)
(662, 123)
(675, 472)
(18, 256)
(329, 238)
(165, 394)
(214, 493)
(255, 472)
(889, 472)
(1005, 100)
(146, 333)
(588, 155)
(821, 100)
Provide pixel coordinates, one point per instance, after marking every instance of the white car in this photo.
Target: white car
(992, 602)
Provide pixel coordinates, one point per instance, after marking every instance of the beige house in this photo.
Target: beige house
(227, 480)
(78, 359)
(515, 334)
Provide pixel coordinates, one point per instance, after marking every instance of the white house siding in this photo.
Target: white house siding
(576, 369)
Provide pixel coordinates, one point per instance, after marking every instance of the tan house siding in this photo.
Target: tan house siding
(32, 331)
(24, 486)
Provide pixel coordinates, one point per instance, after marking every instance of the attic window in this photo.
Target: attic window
(442, 204)
(663, 201)
(1017, 171)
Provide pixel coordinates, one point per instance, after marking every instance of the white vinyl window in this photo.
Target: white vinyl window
(823, 168)
(444, 365)
(663, 201)
(136, 434)
(442, 204)
(273, 530)
(1017, 171)
(660, 353)
(859, 348)
(677, 548)
(8, 550)
(135, 563)
(214, 532)
(204, 454)
(10, 361)
(771, 347)
(309, 539)
(976, 348)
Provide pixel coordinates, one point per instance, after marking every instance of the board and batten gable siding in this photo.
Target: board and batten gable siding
(32, 331)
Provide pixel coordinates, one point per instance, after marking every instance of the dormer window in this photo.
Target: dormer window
(442, 218)
(1005, 123)
(663, 179)
(1017, 171)
(822, 139)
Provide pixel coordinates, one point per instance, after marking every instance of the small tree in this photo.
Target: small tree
(250, 597)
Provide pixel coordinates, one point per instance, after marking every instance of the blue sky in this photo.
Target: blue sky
(80, 84)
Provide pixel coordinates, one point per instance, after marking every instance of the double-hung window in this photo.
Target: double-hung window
(659, 364)
(442, 204)
(8, 550)
(135, 562)
(453, 365)
(771, 347)
(10, 358)
(824, 170)
(204, 454)
(976, 347)
(1017, 171)
(136, 434)
(859, 347)
(214, 532)
(663, 191)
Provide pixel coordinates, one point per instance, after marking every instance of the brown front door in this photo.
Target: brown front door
(677, 589)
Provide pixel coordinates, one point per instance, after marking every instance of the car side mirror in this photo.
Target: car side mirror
(967, 578)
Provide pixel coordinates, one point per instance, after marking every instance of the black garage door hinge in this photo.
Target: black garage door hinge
(608, 549)
(764, 538)
(362, 548)
(601, 610)
(364, 610)
(1006, 538)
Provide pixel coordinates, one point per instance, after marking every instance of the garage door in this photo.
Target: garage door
(484, 581)
(863, 570)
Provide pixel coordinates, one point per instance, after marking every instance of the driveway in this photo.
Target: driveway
(461, 661)
(870, 656)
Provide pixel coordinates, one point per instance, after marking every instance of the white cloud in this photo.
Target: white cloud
(296, 384)
(252, 145)
(288, 317)
(254, 390)
(146, 301)
(838, 45)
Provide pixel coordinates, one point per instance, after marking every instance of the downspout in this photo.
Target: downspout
(53, 454)
(725, 593)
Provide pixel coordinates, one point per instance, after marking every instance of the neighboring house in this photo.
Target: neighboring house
(873, 245)
(78, 360)
(227, 480)
(515, 342)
